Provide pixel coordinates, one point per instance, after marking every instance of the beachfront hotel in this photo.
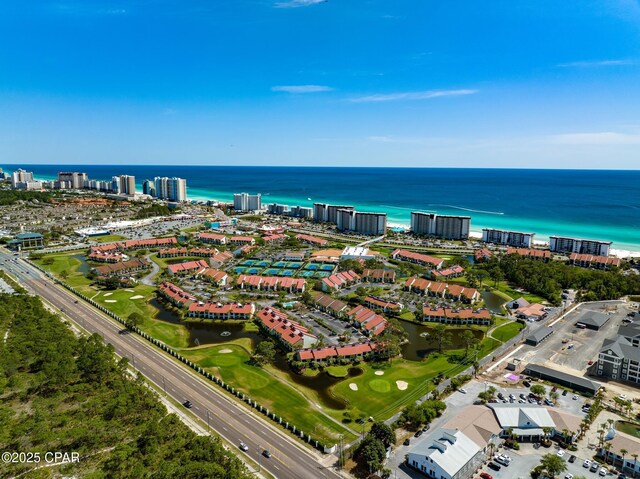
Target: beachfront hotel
(247, 202)
(324, 213)
(72, 179)
(440, 226)
(509, 238)
(365, 223)
(171, 189)
(564, 244)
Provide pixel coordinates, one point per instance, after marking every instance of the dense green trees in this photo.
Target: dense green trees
(9, 197)
(549, 279)
(60, 393)
(415, 415)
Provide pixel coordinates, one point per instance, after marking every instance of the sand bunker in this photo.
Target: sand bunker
(129, 290)
(138, 296)
(110, 300)
(379, 373)
(225, 351)
(108, 294)
(402, 385)
(353, 386)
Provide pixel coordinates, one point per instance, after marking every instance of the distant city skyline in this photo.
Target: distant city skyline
(409, 83)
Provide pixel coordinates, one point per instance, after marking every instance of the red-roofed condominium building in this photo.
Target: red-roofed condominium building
(370, 322)
(541, 254)
(313, 240)
(331, 306)
(290, 335)
(340, 280)
(379, 275)
(346, 351)
(245, 240)
(211, 310)
(188, 267)
(591, 261)
(423, 259)
(175, 295)
(383, 304)
(123, 267)
(457, 316)
(271, 283)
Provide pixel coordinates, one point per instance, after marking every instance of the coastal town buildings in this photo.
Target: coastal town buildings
(593, 261)
(26, 240)
(530, 253)
(289, 334)
(564, 244)
(418, 258)
(127, 185)
(247, 202)
(440, 226)
(72, 179)
(23, 180)
(460, 447)
(171, 189)
(619, 357)
(509, 238)
(324, 213)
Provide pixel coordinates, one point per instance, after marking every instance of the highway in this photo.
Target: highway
(232, 421)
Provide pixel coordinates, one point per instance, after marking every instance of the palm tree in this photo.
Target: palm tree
(623, 452)
(607, 446)
(547, 430)
(635, 463)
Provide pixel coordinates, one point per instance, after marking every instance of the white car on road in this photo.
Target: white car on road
(560, 452)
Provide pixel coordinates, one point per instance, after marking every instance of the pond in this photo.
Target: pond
(221, 332)
(628, 428)
(421, 345)
(493, 301)
(84, 266)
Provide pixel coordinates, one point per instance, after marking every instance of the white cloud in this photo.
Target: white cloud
(596, 138)
(413, 95)
(301, 88)
(597, 63)
(298, 3)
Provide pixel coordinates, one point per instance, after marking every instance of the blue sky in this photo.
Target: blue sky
(502, 83)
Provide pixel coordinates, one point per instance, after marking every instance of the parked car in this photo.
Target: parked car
(494, 466)
(575, 396)
(463, 390)
(603, 471)
(560, 452)
(407, 442)
(418, 433)
(586, 463)
(572, 458)
(523, 396)
(485, 475)
(564, 393)
(568, 476)
(594, 467)
(526, 384)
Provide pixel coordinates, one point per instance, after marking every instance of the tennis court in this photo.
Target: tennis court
(294, 265)
(248, 262)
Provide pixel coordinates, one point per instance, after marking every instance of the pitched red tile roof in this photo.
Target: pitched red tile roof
(188, 266)
(312, 239)
(530, 252)
(417, 257)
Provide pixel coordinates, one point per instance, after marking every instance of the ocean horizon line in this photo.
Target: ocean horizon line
(381, 167)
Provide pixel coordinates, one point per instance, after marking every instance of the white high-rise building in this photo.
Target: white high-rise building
(247, 202)
(74, 179)
(510, 238)
(440, 226)
(172, 189)
(20, 178)
(563, 244)
(127, 185)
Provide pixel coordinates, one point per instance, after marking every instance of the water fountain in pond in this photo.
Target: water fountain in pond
(225, 334)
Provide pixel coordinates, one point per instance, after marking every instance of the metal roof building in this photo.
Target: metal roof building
(576, 383)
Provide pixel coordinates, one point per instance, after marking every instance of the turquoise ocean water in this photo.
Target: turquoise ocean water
(584, 203)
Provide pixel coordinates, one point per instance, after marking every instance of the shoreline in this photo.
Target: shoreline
(396, 217)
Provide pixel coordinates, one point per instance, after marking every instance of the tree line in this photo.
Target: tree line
(62, 393)
(549, 279)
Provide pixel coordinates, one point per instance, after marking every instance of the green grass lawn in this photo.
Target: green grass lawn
(164, 262)
(108, 238)
(230, 361)
(507, 331)
(119, 301)
(66, 262)
(507, 289)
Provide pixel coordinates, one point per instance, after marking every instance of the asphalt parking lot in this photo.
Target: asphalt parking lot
(528, 457)
(523, 461)
(581, 345)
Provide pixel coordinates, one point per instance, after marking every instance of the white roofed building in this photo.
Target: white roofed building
(357, 252)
